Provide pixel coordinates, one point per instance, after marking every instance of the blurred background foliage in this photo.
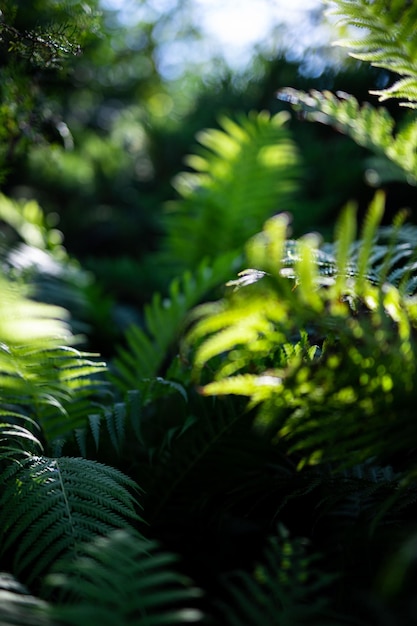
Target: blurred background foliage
(98, 112)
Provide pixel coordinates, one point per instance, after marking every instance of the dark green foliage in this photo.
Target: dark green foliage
(41, 49)
(49, 506)
(283, 589)
(125, 580)
(359, 359)
(186, 470)
(323, 345)
(34, 42)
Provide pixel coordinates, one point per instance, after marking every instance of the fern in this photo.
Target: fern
(32, 253)
(356, 494)
(370, 127)
(53, 387)
(122, 579)
(389, 43)
(17, 440)
(43, 378)
(364, 342)
(244, 174)
(285, 588)
(384, 255)
(49, 506)
(148, 349)
(187, 467)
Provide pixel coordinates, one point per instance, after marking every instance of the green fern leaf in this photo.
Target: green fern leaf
(48, 506)
(345, 235)
(118, 422)
(148, 349)
(389, 43)
(122, 579)
(371, 222)
(304, 395)
(46, 385)
(370, 127)
(17, 440)
(212, 457)
(244, 173)
(286, 588)
(53, 385)
(406, 88)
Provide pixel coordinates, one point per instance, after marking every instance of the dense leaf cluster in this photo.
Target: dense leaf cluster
(247, 453)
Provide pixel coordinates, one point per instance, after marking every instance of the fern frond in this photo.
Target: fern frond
(285, 588)
(245, 173)
(215, 467)
(345, 235)
(54, 386)
(223, 331)
(352, 371)
(370, 127)
(174, 467)
(406, 88)
(78, 385)
(371, 222)
(23, 321)
(119, 419)
(124, 420)
(16, 440)
(49, 506)
(258, 145)
(390, 41)
(148, 348)
(122, 579)
(40, 374)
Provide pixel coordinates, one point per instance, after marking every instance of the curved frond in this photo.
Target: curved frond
(16, 440)
(285, 588)
(125, 422)
(49, 506)
(122, 579)
(389, 42)
(359, 361)
(52, 385)
(43, 379)
(370, 127)
(148, 348)
(244, 173)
